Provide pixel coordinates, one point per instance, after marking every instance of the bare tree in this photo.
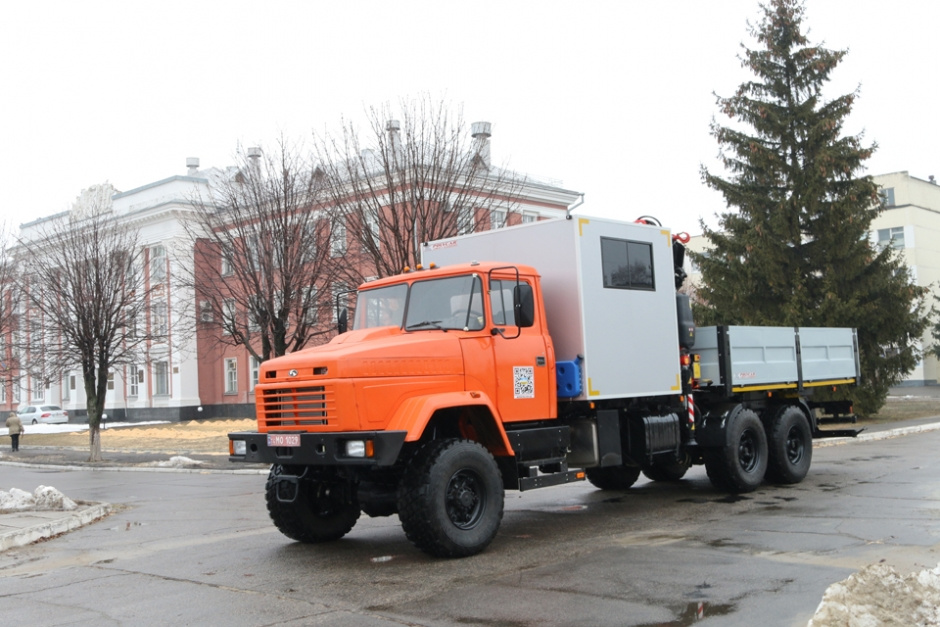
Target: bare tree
(411, 180)
(82, 284)
(262, 256)
(10, 307)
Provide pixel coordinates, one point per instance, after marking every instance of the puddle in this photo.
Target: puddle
(693, 612)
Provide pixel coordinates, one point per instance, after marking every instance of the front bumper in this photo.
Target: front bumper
(319, 449)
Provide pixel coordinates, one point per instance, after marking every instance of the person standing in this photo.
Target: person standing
(15, 427)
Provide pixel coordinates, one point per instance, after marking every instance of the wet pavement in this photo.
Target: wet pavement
(21, 528)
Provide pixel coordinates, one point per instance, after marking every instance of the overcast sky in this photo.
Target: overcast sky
(612, 99)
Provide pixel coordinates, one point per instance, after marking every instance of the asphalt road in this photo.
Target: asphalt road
(198, 549)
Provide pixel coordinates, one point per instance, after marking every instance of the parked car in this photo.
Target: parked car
(43, 414)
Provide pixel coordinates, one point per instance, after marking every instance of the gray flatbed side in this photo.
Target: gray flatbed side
(742, 358)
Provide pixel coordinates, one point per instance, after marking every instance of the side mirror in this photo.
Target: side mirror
(523, 305)
(342, 321)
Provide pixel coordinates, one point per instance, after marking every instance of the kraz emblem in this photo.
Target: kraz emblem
(291, 373)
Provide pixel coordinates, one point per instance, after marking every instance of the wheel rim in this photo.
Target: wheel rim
(748, 451)
(465, 499)
(795, 446)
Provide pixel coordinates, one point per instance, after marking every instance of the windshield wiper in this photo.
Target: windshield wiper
(434, 324)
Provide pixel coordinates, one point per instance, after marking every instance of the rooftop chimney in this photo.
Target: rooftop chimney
(394, 139)
(192, 163)
(481, 143)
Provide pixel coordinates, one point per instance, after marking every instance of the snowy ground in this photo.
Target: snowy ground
(43, 498)
(879, 595)
(70, 428)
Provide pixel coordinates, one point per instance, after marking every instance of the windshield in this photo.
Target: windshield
(381, 307)
(448, 303)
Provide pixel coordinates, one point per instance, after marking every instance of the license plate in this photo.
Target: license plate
(277, 439)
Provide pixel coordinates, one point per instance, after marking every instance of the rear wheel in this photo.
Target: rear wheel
(323, 508)
(613, 477)
(790, 444)
(740, 465)
(450, 500)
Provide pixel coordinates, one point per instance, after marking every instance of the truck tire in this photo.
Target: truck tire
(321, 511)
(672, 470)
(450, 500)
(613, 477)
(790, 444)
(740, 465)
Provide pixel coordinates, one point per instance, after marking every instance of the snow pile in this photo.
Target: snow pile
(177, 461)
(879, 595)
(44, 498)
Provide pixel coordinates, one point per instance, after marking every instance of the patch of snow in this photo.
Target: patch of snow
(177, 461)
(879, 595)
(43, 498)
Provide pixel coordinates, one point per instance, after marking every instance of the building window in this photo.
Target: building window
(3, 391)
(157, 264)
(255, 370)
(111, 380)
(887, 196)
(231, 376)
(159, 324)
(893, 237)
(372, 226)
(627, 264)
(134, 381)
(338, 240)
(312, 312)
(498, 218)
(528, 217)
(228, 315)
(39, 392)
(131, 322)
(226, 268)
(339, 300)
(161, 378)
(466, 222)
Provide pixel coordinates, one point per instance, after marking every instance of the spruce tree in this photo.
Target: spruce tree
(794, 249)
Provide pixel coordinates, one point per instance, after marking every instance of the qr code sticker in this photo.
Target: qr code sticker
(523, 379)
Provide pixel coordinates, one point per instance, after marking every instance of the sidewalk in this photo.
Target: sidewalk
(21, 528)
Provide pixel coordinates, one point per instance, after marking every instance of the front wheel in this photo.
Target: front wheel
(740, 465)
(323, 508)
(450, 500)
(790, 444)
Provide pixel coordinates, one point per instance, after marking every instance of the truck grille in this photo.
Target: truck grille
(297, 406)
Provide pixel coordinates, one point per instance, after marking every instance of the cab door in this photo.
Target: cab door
(524, 361)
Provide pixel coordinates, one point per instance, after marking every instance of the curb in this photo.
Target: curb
(877, 435)
(56, 525)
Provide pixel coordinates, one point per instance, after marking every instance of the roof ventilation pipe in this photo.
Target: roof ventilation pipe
(192, 166)
(394, 140)
(481, 143)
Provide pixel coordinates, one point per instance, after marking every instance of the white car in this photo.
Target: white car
(43, 414)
